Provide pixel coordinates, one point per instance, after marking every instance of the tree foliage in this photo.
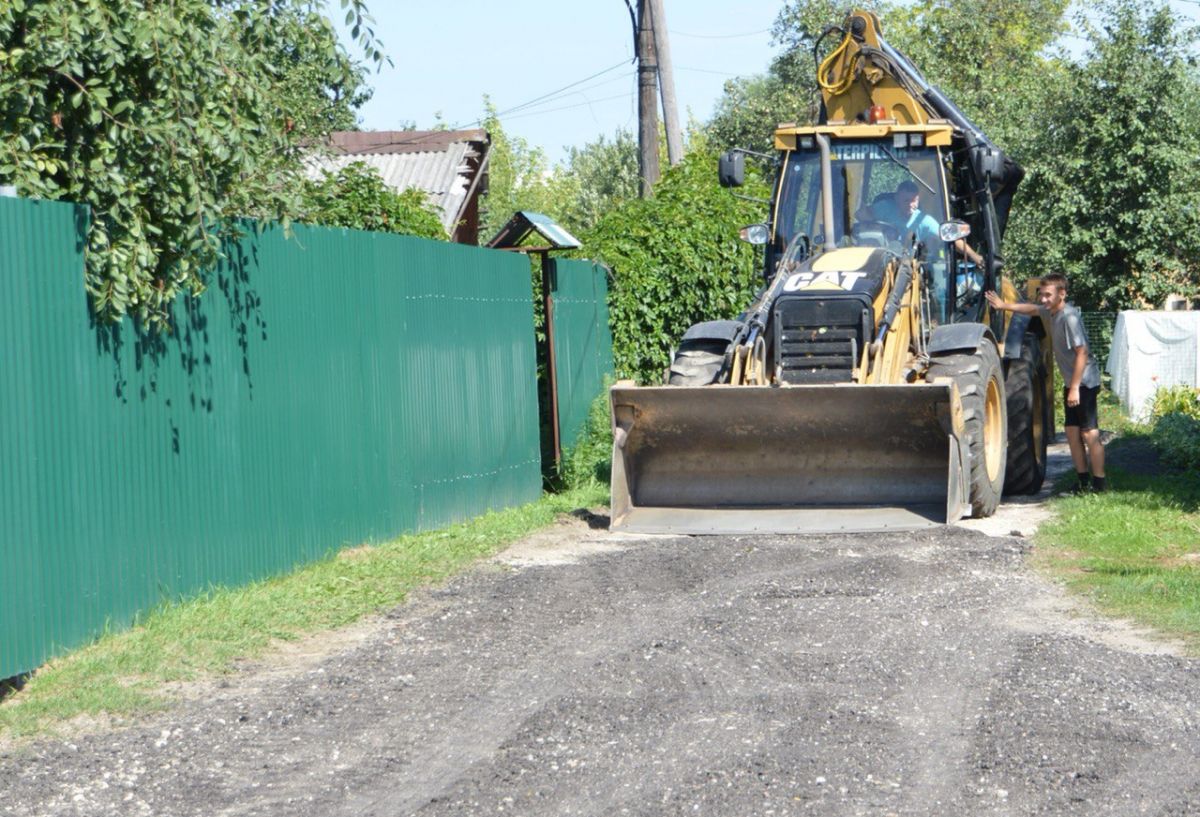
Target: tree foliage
(517, 175)
(750, 108)
(575, 193)
(1114, 191)
(357, 197)
(597, 177)
(167, 119)
(993, 59)
(676, 260)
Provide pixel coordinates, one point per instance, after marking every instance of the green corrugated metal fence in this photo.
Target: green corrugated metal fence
(330, 388)
(582, 341)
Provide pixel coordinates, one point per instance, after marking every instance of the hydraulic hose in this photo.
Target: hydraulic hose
(903, 280)
(842, 84)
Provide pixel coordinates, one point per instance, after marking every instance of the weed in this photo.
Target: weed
(587, 464)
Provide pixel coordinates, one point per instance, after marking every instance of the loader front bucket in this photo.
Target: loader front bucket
(786, 459)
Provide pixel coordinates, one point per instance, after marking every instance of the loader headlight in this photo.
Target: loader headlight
(755, 234)
(908, 140)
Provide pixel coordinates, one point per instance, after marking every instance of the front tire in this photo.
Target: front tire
(981, 389)
(1028, 429)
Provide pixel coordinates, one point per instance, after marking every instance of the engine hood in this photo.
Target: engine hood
(858, 270)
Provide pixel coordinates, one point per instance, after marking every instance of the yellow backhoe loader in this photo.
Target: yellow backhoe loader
(868, 386)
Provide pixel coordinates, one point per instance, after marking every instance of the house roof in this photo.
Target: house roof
(445, 165)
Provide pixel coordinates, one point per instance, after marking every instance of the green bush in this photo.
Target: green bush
(589, 461)
(1176, 400)
(1176, 426)
(676, 260)
(357, 197)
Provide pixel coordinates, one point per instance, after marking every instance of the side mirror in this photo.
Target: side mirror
(988, 163)
(953, 230)
(731, 169)
(755, 234)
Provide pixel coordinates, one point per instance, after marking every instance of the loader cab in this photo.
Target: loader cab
(889, 189)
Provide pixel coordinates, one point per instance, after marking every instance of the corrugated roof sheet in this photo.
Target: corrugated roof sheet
(442, 164)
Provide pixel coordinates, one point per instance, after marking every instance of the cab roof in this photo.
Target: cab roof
(938, 133)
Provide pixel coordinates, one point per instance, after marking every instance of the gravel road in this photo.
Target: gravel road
(583, 672)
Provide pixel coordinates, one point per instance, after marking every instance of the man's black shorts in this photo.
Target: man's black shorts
(1083, 415)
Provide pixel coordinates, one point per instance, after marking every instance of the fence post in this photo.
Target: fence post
(549, 282)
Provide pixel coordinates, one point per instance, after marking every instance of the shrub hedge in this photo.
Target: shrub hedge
(1175, 429)
(676, 260)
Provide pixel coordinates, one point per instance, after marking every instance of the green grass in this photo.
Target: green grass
(1135, 550)
(588, 464)
(129, 673)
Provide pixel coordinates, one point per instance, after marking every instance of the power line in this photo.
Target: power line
(706, 71)
(563, 88)
(571, 92)
(517, 111)
(731, 36)
(569, 107)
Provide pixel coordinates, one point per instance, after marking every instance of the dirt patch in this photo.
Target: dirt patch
(1054, 611)
(1186, 560)
(1022, 515)
(571, 538)
(354, 554)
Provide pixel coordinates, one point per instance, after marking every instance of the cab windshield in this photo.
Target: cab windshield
(867, 175)
(885, 194)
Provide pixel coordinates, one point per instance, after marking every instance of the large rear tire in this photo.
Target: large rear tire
(981, 389)
(1028, 429)
(697, 363)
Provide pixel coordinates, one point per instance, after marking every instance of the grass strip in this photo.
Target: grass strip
(124, 674)
(1135, 550)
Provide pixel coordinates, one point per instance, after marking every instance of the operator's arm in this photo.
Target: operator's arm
(965, 250)
(1081, 359)
(1020, 309)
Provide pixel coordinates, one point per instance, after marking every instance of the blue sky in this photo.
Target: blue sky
(448, 55)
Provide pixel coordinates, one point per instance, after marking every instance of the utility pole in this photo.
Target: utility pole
(647, 104)
(666, 82)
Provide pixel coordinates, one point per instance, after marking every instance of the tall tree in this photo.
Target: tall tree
(989, 57)
(167, 119)
(1114, 194)
(517, 174)
(995, 60)
(594, 179)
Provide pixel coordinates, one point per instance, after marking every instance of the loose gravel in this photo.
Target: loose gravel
(585, 673)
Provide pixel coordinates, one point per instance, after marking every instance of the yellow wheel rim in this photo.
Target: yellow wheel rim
(993, 433)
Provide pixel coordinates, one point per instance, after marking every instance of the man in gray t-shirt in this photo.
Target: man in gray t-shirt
(1067, 335)
(1079, 372)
